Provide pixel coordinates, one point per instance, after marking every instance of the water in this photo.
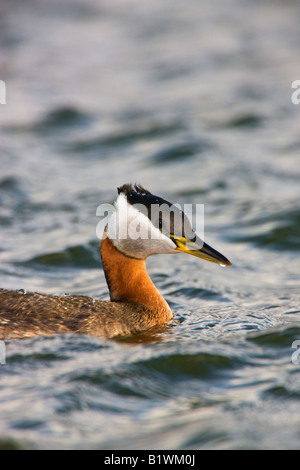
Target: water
(192, 100)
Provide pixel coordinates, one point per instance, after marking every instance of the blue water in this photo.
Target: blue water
(193, 101)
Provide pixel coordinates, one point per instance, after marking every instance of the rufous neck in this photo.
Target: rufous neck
(128, 280)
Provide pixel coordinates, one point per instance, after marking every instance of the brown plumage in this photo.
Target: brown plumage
(136, 305)
(33, 314)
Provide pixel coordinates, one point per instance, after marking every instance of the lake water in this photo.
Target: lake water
(192, 100)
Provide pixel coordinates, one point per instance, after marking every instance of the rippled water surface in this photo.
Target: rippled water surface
(192, 100)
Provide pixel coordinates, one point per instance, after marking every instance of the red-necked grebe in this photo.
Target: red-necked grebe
(135, 304)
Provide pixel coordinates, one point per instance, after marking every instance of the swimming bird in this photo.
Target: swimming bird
(141, 225)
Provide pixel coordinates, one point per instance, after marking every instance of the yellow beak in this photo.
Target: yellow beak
(200, 249)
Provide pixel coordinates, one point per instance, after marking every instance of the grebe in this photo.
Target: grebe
(135, 304)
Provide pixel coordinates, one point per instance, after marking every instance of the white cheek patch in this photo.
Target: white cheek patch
(133, 233)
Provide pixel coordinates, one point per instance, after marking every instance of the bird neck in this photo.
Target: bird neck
(128, 280)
